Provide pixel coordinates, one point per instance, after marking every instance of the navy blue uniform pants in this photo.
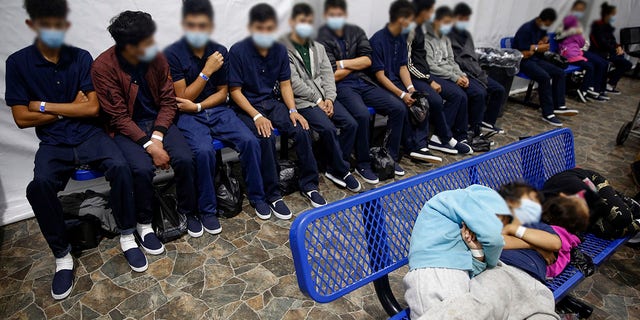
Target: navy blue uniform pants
(338, 146)
(476, 102)
(143, 171)
(221, 123)
(455, 108)
(496, 96)
(54, 165)
(356, 98)
(596, 71)
(437, 116)
(622, 65)
(278, 114)
(551, 83)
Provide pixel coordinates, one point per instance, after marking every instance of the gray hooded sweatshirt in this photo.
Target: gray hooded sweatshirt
(440, 56)
(309, 89)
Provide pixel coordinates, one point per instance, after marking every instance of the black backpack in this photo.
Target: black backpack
(228, 193)
(168, 224)
(381, 161)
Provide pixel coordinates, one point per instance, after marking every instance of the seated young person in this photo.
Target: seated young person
(532, 40)
(441, 260)
(389, 64)
(257, 64)
(314, 89)
(604, 44)
(349, 52)
(447, 108)
(49, 87)
(482, 89)
(199, 75)
(135, 91)
(585, 193)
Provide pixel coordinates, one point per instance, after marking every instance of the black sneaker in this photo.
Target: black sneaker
(367, 175)
(582, 96)
(604, 96)
(591, 93)
(552, 120)
(612, 90)
(600, 98)
(436, 144)
(564, 111)
(487, 127)
(62, 284)
(280, 210)
(315, 198)
(397, 169)
(425, 155)
(263, 210)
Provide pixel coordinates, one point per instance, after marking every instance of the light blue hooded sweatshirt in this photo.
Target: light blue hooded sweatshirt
(436, 241)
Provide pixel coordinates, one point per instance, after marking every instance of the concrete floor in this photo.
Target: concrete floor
(247, 272)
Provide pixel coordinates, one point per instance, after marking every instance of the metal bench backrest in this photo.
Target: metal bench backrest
(350, 243)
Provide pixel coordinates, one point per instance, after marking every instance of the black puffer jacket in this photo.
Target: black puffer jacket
(356, 43)
(603, 41)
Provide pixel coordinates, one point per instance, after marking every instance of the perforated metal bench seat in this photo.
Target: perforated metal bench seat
(350, 243)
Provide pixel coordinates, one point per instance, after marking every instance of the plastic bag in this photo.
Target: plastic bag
(381, 161)
(228, 193)
(289, 177)
(420, 109)
(167, 223)
(502, 58)
(582, 262)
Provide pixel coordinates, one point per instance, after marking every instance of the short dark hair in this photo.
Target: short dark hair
(328, 4)
(301, 9)
(606, 9)
(443, 12)
(131, 27)
(423, 5)
(579, 2)
(46, 8)
(197, 7)
(462, 9)
(262, 12)
(564, 212)
(514, 191)
(401, 9)
(548, 14)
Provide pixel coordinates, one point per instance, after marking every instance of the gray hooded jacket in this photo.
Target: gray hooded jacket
(308, 89)
(440, 56)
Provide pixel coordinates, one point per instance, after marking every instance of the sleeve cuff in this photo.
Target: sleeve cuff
(160, 129)
(143, 140)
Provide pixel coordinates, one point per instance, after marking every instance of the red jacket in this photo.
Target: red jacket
(117, 94)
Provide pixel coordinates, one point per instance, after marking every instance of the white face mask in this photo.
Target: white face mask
(528, 212)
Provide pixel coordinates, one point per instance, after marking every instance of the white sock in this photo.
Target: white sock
(144, 229)
(127, 241)
(453, 142)
(64, 263)
(609, 87)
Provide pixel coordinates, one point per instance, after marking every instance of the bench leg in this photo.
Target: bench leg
(527, 97)
(385, 295)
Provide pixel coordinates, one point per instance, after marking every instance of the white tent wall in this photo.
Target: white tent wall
(492, 20)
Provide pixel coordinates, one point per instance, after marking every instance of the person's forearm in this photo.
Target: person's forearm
(287, 94)
(356, 64)
(27, 119)
(89, 108)
(511, 242)
(215, 99)
(541, 239)
(405, 77)
(192, 91)
(340, 74)
(387, 84)
(242, 102)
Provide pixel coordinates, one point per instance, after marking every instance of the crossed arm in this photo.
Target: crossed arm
(84, 106)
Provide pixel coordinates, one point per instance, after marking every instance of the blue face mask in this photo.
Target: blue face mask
(446, 28)
(52, 38)
(304, 30)
(409, 28)
(462, 25)
(196, 39)
(577, 14)
(263, 40)
(150, 53)
(336, 23)
(432, 18)
(528, 212)
(612, 20)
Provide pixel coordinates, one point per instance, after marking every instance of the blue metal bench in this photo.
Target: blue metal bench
(353, 242)
(506, 43)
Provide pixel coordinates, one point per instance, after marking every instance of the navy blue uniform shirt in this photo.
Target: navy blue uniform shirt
(389, 54)
(529, 260)
(257, 75)
(186, 65)
(528, 34)
(30, 77)
(144, 108)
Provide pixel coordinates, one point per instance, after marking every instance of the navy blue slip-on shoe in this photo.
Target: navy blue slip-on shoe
(552, 120)
(564, 111)
(487, 127)
(397, 169)
(436, 144)
(352, 183)
(194, 227)
(368, 175)
(314, 197)
(280, 210)
(339, 182)
(136, 259)
(210, 223)
(463, 148)
(424, 155)
(263, 210)
(62, 284)
(151, 244)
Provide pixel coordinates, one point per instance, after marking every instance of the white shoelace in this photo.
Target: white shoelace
(64, 263)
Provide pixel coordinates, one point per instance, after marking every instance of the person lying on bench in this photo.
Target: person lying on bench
(49, 87)
(440, 262)
(611, 214)
(314, 89)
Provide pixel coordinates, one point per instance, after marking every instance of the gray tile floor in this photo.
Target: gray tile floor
(247, 272)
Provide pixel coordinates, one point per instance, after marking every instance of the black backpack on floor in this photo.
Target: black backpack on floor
(167, 223)
(228, 192)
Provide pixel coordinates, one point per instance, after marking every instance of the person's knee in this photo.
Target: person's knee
(350, 126)
(204, 151)
(184, 160)
(142, 169)
(37, 186)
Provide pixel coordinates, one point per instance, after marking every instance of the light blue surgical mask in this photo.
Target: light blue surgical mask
(445, 29)
(612, 20)
(336, 23)
(150, 53)
(52, 38)
(462, 25)
(432, 18)
(577, 14)
(263, 40)
(304, 30)
(528, 212)
(409, 28)
(197, 39)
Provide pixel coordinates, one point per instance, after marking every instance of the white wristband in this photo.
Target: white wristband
(257, 116)
(60, 117)
(319, 100)
(199, 105)
(477, 253)
(148, 143)
(404, 94)
(520, 232)
(410, 87)
(341, 64)
(157, 137)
